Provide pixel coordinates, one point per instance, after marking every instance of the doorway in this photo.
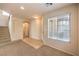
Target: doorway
(25, 29)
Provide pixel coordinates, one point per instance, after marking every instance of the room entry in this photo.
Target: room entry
(25, 30)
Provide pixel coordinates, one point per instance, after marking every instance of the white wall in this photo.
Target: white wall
(3, 19)
(35, 28)
(16, 29)
(69, 47)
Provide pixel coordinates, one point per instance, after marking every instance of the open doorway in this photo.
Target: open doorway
(25, 29)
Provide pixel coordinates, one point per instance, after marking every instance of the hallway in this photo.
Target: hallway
(39, 29)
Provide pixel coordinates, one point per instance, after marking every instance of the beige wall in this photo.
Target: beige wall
(78, 29)
(3, 19)
(35, 28)
(69, 47)
(16, 29)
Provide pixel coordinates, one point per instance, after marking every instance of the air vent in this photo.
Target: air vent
(48, 4)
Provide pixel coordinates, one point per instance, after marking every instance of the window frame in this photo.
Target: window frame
(69, 20)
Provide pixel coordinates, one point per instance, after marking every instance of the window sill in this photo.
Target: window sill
(55, 38)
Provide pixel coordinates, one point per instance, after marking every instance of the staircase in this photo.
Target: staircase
(4, 36)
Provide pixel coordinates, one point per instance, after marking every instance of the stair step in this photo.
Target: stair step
(3, 28)
(3, 31)
(5, 43)
(4, 36)
(2, 41)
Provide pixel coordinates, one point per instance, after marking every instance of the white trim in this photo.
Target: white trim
(60, 49)
(53, 18)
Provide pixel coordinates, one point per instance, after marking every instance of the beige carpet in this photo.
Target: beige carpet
(20, 48)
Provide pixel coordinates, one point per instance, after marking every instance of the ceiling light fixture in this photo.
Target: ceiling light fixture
(22, 7)
(5, 13)
(35, 17)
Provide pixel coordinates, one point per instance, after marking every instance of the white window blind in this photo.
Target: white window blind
(59, 28)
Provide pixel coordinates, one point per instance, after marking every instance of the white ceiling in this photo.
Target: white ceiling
(30, 10)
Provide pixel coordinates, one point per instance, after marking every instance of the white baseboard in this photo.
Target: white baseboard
(60, 49)
(15, 40)
(35, 38)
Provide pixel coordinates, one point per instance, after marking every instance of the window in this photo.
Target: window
(58, 28)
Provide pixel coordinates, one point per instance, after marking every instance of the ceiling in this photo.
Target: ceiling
(30, 9)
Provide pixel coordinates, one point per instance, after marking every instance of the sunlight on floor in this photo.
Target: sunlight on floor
(33, 42)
